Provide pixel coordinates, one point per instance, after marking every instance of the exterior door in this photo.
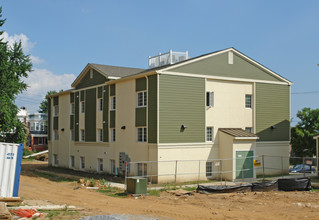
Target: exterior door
(244, 164)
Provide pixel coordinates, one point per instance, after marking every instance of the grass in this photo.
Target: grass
(54, 178)
(113, 192)
(53, 214)
(28, 159)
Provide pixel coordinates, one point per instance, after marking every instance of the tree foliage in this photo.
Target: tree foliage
(302, 140)
(43, 108)
(14, 65)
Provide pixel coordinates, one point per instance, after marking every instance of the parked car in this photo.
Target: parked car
(300, 168)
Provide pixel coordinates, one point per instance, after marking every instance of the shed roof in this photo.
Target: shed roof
(238, 132)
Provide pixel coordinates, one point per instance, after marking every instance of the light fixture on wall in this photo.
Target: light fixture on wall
(273, 127)
(62, 129)
(123, 127)
(183, 127)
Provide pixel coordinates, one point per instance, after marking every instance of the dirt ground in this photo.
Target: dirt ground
(257, 205)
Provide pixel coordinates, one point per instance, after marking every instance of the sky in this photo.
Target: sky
(62, 36)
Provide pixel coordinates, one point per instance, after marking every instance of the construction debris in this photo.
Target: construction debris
(26, 213)
(49, 207)
(4, 213)
(11, 201)
(180, 192)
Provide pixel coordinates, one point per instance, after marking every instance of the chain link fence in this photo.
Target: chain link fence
(240, 169)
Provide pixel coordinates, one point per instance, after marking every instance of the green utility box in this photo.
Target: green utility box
(136, 185)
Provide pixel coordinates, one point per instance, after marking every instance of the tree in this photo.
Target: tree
(43, 108)
(14, 65)
(302, 140)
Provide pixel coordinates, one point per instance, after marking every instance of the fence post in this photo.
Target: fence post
(199, 172)
(175, 172)
(263, 160)
(282, 167)
(126, 176)
(151, 172)
(303, 166)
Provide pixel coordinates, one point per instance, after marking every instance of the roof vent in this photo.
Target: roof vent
(167, 58)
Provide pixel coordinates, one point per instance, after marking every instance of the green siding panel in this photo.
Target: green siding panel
(140, 117)
(181, 102)
(56, 100)
(90, 115)
(152, 109)
(86, 81)
(218, 66)
(99, 92)
(49, 119)
(76, 118)
(112, 119)
(272, 109)
(56, 123)
(71, 121)
(112, 90)
(82, 95)
(105, 114)
(140, 84)
(71, 97)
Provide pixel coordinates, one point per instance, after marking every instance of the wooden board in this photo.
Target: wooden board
(4, 213)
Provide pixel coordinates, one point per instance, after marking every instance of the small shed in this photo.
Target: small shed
(237, 147)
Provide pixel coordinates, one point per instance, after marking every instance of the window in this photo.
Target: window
(248, 101)
(248, 129)
(82, 107)
(99, 135)
(71, 161)
(209, 134)
(99, 164)
(55, 159)
(142, 169)
(40, 141)
(141, 135)
(209, 169)
(72, 109)
(113, 135)
(113, 103)
(141, 99)
(210, 99)
(72, 134)
(37, 127)
(82, 136)
(56, 110)
(100, 105)
(82, 162)
(42, 126)
(31, 126)
(56, 135)
(112, 166)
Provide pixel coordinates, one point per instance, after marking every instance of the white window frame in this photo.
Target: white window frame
(142, 134)
(55, 159)
(113, 135)
(142, 99)
(100, 104)
(82, 135)
(209, 99)
(56, 110)
(209, 169)
(209, 134)
(72, 108)
(56, 134)
(100, 167)
(112, 166)
(72, 162)
(82, 107)
(248, 101)
(99, 137)
(82, 162)
(113, 103)
(249, 129)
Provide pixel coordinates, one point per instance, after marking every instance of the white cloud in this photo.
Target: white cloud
(42, 80)
(27, 45)
(36, 60)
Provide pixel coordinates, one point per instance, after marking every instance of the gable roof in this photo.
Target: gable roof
(204, 56)
(238, 132)
(108, 71)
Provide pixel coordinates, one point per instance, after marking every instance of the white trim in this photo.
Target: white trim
(158, 121)
(234, 51)
(185, 144)
(273, 142)
(144, 92)
(206, 145)
(246, 138)
(254, 109)
(220, 77)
